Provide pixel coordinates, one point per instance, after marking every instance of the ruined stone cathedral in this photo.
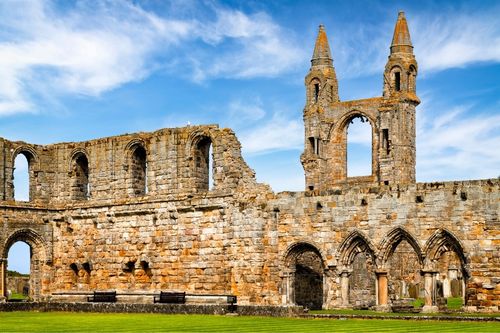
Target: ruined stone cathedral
(135, 213)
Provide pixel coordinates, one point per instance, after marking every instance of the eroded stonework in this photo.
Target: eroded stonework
(137, 213)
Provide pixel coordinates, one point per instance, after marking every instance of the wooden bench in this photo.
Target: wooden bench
(171, 297)
(232, 300)
(103, 296)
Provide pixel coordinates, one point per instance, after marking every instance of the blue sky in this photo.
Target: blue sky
(74, 71)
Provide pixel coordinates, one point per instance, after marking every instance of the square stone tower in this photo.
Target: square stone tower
(392, 118)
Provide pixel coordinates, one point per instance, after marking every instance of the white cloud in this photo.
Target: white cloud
(242, 111)
(95, 47)
(278, 133)
(451, 40)
(457, 145)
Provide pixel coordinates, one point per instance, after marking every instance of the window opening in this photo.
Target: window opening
(397, 81)
(359, 147)
(21, 178)
(81, 187)
(316, 92)
(139, 171)
(385, 140)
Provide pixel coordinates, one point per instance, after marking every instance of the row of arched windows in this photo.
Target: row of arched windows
(137, 168)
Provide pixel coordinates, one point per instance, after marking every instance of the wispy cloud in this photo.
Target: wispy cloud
(442, 39)
(458, 144)
(449, 40)
(277, 133)
(95, 47)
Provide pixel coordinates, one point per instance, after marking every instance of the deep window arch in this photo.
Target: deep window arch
(80, 186)
(203, 164)
(359, 146)
(138, 170)
(22, 176)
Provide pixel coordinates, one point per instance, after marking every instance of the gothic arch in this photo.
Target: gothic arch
(137, 165)
(353, 244)
(200, 149)
(79, 171)
(392, 240)
(39, 256)
(443, 241)
(27, 151)
(30, 237)
(303, 276)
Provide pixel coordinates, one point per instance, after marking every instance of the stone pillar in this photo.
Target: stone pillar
(382, 291)
(429, 282)
(289, 292)
(3, 279)
(344, 285)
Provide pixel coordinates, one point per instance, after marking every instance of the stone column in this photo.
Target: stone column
(344, 285)
(382, 291)
(429, 281)
(289, 288)
(3, 279)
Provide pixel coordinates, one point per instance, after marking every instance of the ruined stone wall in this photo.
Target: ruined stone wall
(172, 168)
(434, 218)
(238, 237)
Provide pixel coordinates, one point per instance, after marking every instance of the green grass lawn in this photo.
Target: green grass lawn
(17, 296)
(96, 322)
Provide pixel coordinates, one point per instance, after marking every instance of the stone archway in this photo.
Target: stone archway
(357, 258)
(304, 276)
(448, 265)
(38, 259)
(401, 263)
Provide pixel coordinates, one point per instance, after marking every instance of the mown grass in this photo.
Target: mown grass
(402, 314)
(17, 296)
(97, 322)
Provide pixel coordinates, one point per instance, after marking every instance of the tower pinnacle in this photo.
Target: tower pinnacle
(401, 41)
(321, 54)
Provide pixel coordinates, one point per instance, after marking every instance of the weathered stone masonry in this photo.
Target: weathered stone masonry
(136, 213)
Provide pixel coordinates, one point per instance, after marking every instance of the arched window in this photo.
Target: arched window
(412, 75)
(18, 270)
(397, 81)
(359, 147)
(203, 164)
(80, 186)
(22, 176)
(138, 170)
(314, 90)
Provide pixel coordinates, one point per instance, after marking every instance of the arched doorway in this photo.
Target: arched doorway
(445, 255)
(358, 272)
(402, 260)
(18, 271)
(37, 260)
(304, 276)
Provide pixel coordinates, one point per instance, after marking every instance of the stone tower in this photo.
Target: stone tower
(392, 118)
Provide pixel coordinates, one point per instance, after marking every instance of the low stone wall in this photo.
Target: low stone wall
(208, 309)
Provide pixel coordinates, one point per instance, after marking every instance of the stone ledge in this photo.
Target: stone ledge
(208, 309)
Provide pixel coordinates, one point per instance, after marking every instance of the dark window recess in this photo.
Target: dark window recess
(463, 196)
(364, 202)
(385, 140)
(314, 144)
(74, 268)
(319, 205)
(397, 81)
(86, 267)
(419, 199)
(316, 92)
(311, 188)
